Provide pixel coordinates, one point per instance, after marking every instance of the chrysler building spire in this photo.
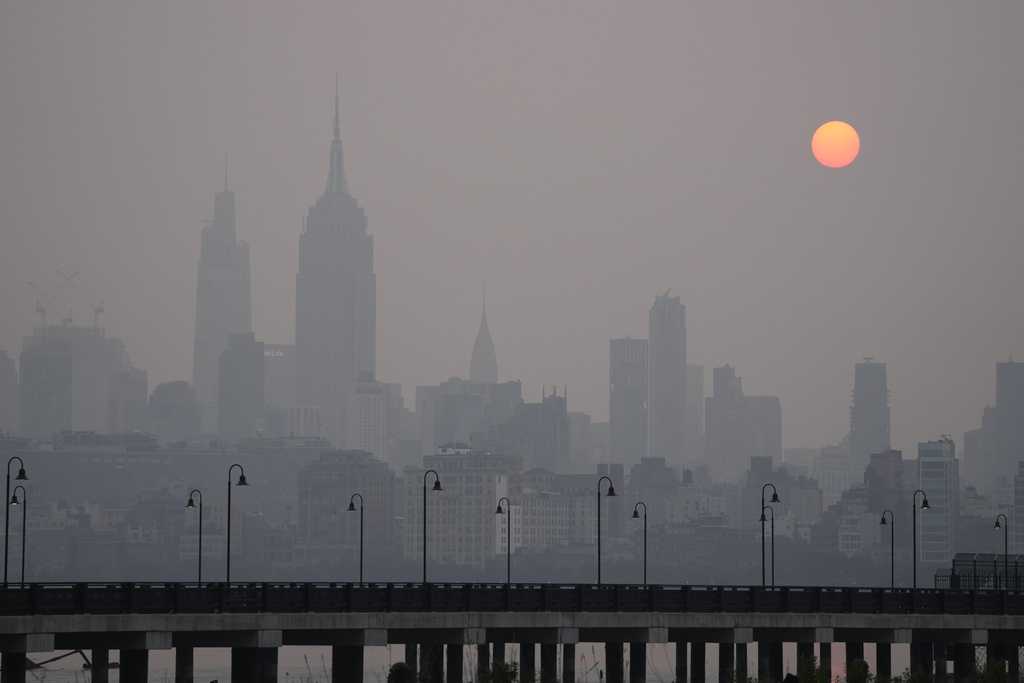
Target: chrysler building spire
(483, 366)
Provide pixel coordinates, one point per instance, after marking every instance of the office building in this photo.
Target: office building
(483, 365)
(223, 301)
(278, 387)
(666, 380)
(8, 394)
(457, 411)
(869, 414)
(241, 406)
(335, 299)
(174, 413)
(939, 477)
(627, 405)
(368, 419)
(1008, 421)
(740, 427)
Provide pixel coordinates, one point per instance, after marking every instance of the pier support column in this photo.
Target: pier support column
(568, 663)
(805, 661)
(883, 662)
(183, 664)
(134, 665)
(483, 661)
(726, 663)
(548, 663)
(453, 667)
(432, 663)
(698, 662)
(100, 671)
(682, 663)
(527, 661)
(346, 663)
(412, 659)
(963, 662)
(825, 660)
(638, 662)
(14, 667)
(613, 662)
(921, 659)
(499, 652)
(248, 665)
(741, 663)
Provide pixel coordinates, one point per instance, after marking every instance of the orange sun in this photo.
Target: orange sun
(835, 144)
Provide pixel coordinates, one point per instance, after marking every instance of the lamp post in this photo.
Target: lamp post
(1005, 526)
(770, 509)
(352, 508)
(24, 527)
(892, 544)
(192, 504)
(437, 487)
(636, 515)
(774, 499)
(241, 482)
(508, 537)
(611, 492)
(913, 507)
(7, 512)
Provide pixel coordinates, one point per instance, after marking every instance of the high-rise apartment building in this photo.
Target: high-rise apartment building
(740, 427)
(869, 414)
(241, 405)
(666, 380)
(939, 477)
(223, 301)
(627, 404)
(335, 299)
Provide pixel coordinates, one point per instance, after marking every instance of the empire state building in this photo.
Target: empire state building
(335, 300)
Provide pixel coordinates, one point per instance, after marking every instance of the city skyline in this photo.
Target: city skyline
(277, 150)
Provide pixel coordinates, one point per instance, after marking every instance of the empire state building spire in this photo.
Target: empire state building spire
(483, 366)
(336, 176)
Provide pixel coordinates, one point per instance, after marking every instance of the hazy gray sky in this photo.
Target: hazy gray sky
(578, 155)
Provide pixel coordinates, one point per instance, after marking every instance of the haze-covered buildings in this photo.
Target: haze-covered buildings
(869, 413)
(627, 399)
(335, 300)
(666, 380)
(740, 427)
(223, 301)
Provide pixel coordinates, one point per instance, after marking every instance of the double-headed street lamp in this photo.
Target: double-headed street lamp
(611, 492)
(352, 508)
(774, 499)
(7, 511)
(771, 510)
(892, 544)
(636, 515)
(913, 507)
(23, 501)
(508, 537)
(192, 504)
(1005, 526)
(241, 482)
(437, 487)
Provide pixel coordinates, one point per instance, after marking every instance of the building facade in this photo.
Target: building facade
(869, 413)
(627, 399)
(666, 380)
(939, 477)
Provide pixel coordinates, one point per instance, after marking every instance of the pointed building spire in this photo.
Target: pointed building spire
(483, 365)
(336, 176)
(337, 114)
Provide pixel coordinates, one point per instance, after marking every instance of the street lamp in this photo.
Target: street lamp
(352, 508)
(192, 504)
(24, 516)
(7, 513)
(241, 482)
(892, 544)
(1005, 526)
(770, 509)
(774, 499)
(611, 492)
(437, 487)
(636, 515)
(913, 507)
(508, 537)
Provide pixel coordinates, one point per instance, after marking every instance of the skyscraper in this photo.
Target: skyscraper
(939, 477)
(335, 299)
(223, 300)
(627, 399)
(869, 414)
(242, 404)
(666, 383)
(740, 427)
(483, 366)
(1009, 420)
